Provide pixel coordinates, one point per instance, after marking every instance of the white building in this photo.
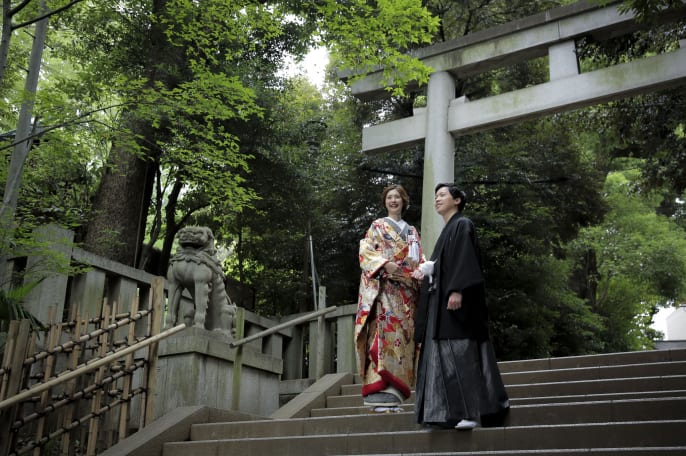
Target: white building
(676, 324)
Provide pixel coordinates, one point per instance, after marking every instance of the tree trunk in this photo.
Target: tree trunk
(23, 136)
(23, 142)
(117, 226)
(116, 229)
(171, 226)
(5, 37)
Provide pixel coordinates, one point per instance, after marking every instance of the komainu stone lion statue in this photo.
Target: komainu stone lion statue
(195, 267)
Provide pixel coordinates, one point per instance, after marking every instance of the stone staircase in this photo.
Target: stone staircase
(615, 404)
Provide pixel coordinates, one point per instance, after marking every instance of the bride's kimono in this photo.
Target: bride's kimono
(384, 325)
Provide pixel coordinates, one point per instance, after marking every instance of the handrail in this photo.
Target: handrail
(284, 325)
(89, 367)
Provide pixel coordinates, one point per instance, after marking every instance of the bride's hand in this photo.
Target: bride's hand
(392, 268)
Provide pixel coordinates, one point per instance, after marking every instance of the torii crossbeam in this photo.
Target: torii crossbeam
(552, 33)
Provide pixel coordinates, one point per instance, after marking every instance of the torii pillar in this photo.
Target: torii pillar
(439, 152)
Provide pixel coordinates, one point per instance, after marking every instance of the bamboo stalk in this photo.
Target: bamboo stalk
(71, 385)
(74, 424)
(126, 388)
(86, 337)
(16, 374)
(94, 424)
(7, 358)
(53, 338)
(76, 395)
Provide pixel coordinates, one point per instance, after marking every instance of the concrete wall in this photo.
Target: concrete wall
(196, 368)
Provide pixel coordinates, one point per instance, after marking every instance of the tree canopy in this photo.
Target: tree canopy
(153, 115)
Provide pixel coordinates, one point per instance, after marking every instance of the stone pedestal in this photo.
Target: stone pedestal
(196, 367)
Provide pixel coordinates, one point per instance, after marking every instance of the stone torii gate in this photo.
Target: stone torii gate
(552, 33)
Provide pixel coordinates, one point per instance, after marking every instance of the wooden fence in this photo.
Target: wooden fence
(80, 386)
(88, 379)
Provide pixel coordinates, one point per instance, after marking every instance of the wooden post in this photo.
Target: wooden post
(94, 428)
(71, 384)
(321, 335)
(53, 339)
(238, 360)
(12, 335)
(14, 362)
(346, 361)
(126, 388)
(157, 305)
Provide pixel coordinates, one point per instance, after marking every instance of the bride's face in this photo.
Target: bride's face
(394, 203)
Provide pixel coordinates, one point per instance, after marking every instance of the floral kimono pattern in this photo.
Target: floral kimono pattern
(384, 325)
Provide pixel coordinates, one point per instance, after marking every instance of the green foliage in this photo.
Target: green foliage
(271, 237)
(536, 313)
(638, 263)
(33, 257)
(220, 31)
(39, 243)
(56, 187)
(176, 84)
(647, 10)
(365, 37)
(194, 90)
(649, 127)
(12, 83)
(11, 308)
(461, 18)
(199, 149)
(530, 191)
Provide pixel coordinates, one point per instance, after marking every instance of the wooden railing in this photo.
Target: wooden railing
(79, 393)
(320, 363)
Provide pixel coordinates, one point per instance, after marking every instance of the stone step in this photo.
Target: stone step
(552, 389)
(624, 404)
(597, 397)
(527, 415)
(649, 451)
(606, 359)
(581, 361)
(667, 408)
(576, 374)
(604, 386)
(409, 404)
(595, 373)
(516, 438)
(676, 397)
